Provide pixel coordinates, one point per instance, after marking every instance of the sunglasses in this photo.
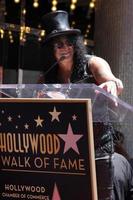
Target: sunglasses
(61, 44)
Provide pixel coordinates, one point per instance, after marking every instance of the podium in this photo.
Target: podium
(46, 140)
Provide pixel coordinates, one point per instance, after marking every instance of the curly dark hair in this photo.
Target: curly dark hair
(119, 140)
(80, 59)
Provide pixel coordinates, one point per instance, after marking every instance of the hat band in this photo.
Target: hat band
(55, 30)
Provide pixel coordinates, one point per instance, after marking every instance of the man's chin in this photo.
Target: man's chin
(68, 56)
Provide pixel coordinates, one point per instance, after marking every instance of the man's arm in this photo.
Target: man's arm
(104, 76)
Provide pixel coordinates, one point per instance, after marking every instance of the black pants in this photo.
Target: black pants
(104, 171)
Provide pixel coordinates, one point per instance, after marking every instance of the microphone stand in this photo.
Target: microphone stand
(52, 66)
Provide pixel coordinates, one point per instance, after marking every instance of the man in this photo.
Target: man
(65, 60)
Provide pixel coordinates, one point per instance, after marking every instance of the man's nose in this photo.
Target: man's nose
(65, 45)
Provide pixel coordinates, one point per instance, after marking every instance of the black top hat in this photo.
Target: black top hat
(56, 24)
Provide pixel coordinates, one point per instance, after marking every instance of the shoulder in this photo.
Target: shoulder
(95, 60)
(97, 63)
(123, 172)
(121, 164)
(120, 159)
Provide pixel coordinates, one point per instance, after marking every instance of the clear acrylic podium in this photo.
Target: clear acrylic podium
(105, 107)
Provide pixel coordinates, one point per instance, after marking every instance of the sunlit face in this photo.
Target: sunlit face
(63, 48)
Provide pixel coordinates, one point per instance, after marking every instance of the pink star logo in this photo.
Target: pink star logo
(56, 195)
(70, 140)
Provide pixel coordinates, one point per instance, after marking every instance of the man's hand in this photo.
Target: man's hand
(114, 87)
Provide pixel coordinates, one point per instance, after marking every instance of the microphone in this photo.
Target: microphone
(52, 66)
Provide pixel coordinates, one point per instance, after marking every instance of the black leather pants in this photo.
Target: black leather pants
(104, 171)
(103, 156)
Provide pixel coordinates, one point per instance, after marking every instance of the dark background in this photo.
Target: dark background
(27, 55)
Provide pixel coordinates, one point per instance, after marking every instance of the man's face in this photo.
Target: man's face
(63, 48)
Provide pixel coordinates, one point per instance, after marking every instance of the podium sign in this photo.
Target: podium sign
(46, 150)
